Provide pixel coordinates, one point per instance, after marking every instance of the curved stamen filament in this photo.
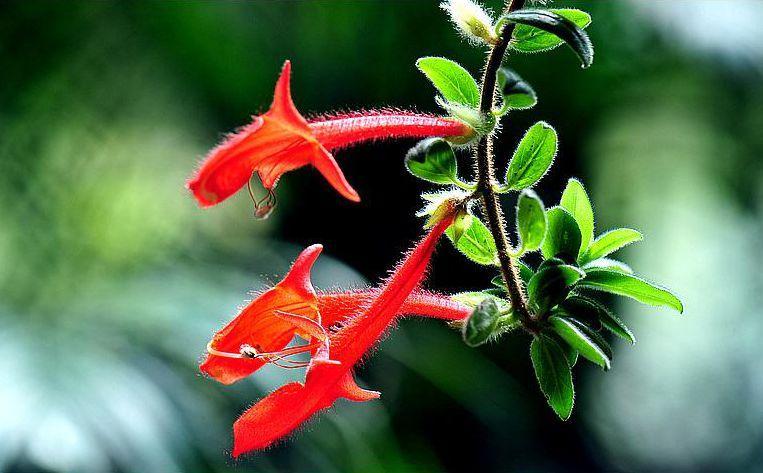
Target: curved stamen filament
(263, 206)
(278, 358)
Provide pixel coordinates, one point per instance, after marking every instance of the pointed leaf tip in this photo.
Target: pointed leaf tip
(559, 25)
(554, 375)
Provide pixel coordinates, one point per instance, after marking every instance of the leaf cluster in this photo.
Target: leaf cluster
(566, 319)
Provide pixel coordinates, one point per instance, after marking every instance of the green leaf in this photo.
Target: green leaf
(474, 298)
(533, 157)
(582, 307)
(611, 241)
(581, 339)
(554, 375)
(543, 30)
(481, 324)
(460, 224)
(563, 236)
(517, 93)
(570, 353)
(433, 160)
(476, 243)
(550, 285)
(531, 220)
(576, 202)
(453, 82)
(631, 286)
(525, 273)
(613, 323)
(606, 263)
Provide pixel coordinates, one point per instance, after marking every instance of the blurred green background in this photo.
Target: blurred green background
(112, 280)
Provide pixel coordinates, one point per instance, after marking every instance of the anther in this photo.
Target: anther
(263, 206)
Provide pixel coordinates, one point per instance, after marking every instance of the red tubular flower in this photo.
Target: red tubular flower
(281, 140)
(263, 325)
(285, 409)
(259, 325)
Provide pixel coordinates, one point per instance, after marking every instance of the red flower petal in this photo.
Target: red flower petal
(259, 326)
(279, 413)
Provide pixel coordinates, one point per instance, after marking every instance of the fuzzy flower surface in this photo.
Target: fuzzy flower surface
(330, 372)
(282, 140)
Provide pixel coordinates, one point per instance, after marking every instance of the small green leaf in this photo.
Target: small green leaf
(606, 263)
(525, 273)
(631, 286)
(550, 285)
(576, 202)
(611, 241)
(433, 160)
(533, 157)
(570, 353)
(580, 309)
(476, 243)
(613, 323)
(481, 324)
(460, 224)
(474, 298)
(579, 338)
(562, 235)
(531, 220)
(554, 375)
(584, 308)
(453, 82)
(543, 30)
(517, 93)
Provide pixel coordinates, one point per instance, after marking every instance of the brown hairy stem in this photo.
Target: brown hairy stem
(486, 177)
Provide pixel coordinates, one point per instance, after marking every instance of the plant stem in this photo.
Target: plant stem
(486, 177)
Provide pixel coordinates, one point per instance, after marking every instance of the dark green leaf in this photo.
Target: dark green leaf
(570, 353)
(554, 375)
(482, 324)
(525, 273)
(613, 323)
(611, 241)
(476, 242)
(531, 220)
(579, 307)
(433, 160)
(550, 262)
(631, 286)
(517, 93)
(542, 30)
(562, 235)
(533, 157)
(453, 82)
(550, 285)
(576, 202)
(581, 339)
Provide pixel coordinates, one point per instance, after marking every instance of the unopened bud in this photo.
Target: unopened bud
(471, 19)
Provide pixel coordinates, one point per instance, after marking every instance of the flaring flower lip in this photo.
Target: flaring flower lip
(281, 140)
(274, 143)
(265, 325)
(260, 326)
(329, 375)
